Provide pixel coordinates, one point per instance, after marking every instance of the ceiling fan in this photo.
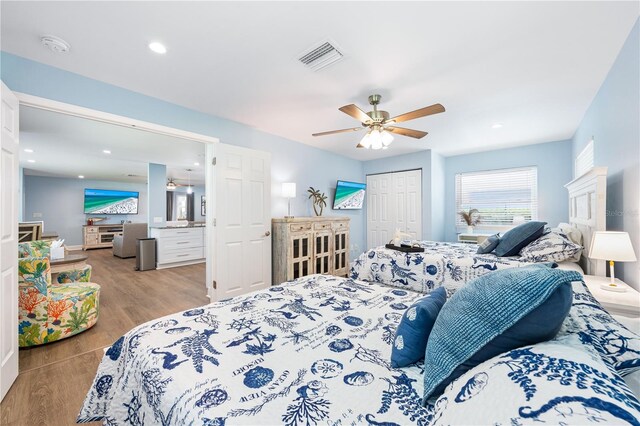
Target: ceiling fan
(378, 123)
(172, 185)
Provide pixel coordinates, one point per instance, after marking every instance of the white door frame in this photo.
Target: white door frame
(119, 120)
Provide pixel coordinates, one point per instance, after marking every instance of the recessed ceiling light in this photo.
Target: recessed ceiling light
(28, 150)
(31, 161)
(496, 125)
(158, 48)
(80, 177)
(106, 151)
(196, 164)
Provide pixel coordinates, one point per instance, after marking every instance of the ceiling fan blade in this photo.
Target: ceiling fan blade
(356, 113)
(353, 129)
(422, 112)
(418, 134)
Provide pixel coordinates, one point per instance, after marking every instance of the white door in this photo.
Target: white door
(242, 182)
(8, 241)
(379, 214)
(413, 198)
(394, 201)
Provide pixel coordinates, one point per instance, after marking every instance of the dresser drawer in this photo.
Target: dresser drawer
(92, 229)
(180, 232)
(187, 241)
(180, 255)
(321, 225)
(340, 226)
(297, 227)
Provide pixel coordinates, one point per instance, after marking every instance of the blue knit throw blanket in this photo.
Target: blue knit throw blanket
(483, 309)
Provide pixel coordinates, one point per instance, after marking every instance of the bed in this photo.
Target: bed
(453, 264)
(316, 351)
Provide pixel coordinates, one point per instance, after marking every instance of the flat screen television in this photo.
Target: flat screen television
(349, 195)
(108, 201)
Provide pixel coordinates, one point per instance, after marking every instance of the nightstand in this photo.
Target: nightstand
(616, 303)
(472, 238)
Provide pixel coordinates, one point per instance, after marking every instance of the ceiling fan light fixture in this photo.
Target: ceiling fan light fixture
(376, 139)
(171, 185)
(387, 138)
(366, 141)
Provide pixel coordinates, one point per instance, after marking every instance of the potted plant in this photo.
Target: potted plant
(319, 200)
(471, 218)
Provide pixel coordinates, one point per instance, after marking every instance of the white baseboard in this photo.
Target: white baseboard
(74, 248)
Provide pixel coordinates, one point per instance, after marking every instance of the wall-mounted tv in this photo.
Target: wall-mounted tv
(349, 195)
(107, 201)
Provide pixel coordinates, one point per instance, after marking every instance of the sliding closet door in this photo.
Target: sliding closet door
(394, 201)
(380, 219)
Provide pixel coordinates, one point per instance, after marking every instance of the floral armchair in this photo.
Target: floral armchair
(48, 312)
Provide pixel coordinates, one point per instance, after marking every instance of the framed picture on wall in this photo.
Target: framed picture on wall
(203, 205)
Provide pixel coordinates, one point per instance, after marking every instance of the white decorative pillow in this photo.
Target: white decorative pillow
(551, 247)
(570, 231)
(555, 382)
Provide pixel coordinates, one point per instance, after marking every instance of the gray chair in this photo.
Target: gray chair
(125, 245)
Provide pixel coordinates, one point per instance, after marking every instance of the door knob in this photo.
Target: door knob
(266, 234)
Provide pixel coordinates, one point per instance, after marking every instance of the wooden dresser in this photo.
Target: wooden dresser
(99, 236)
(309, 245)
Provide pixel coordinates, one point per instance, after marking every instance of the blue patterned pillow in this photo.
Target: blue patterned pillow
(495, 313)
(517, 238)
(488, 245)
(414, 329)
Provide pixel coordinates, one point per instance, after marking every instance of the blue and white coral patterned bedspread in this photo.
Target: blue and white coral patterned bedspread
(441, 264)
(316, 351)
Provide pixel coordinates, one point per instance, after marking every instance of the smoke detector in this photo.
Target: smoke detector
(55, 44)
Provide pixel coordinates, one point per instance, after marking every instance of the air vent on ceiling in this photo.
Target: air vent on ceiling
(319, 57)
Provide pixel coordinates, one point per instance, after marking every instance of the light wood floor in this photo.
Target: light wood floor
(55, 378)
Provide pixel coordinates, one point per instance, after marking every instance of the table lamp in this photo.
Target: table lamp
(612, 246)
(289, 191)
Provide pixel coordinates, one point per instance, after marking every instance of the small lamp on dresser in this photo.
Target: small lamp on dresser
(612, 246)
(289, 192)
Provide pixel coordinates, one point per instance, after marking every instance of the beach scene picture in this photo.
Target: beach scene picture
(106, 201)
(349, 195)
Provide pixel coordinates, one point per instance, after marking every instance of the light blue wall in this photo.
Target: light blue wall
(438, 182)
(61, 202)
(418, 160)
(553, 160)
(290, 161)
(613, 121)
(157, 194)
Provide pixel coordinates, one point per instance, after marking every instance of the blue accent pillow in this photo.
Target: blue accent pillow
(492, 314)
(519, 237)
(413, 331)
(488, 245)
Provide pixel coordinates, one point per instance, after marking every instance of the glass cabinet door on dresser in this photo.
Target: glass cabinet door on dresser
(341, 253)
(309, 245)
(322, 252)
(301, 251)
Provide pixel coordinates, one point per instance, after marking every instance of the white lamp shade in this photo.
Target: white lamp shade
(609, 245)
(289, 190)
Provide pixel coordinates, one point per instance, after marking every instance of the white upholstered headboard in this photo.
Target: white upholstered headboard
(588, 212)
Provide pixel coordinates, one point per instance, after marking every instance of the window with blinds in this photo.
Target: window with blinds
(584, 160)
(501, 196)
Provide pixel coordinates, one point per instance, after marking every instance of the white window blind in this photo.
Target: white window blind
(499, 195)
(584, 160)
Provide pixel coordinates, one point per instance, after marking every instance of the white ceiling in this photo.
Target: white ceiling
(533, 66)
(68, 146)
